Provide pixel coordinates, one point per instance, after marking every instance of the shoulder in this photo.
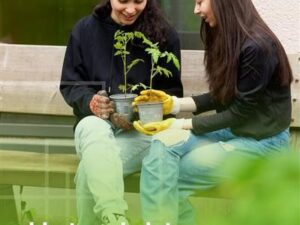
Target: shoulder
(261, 57)
(82, 25)
(87, 25)
(84, 22)
(260, 48)
(251, 46)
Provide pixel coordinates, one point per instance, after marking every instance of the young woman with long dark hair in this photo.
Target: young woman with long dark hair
(249, 79)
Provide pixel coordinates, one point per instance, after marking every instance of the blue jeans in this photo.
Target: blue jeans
(106, 156)
(172, 173)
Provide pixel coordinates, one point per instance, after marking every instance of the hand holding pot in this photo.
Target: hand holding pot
(101, 106)
(120, 121)
(156, 96)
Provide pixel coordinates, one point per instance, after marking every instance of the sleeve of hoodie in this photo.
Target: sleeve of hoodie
(74, 82)
(173, 84)
(255, 71)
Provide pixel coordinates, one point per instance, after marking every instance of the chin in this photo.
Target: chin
(128, 22)
(212, 25)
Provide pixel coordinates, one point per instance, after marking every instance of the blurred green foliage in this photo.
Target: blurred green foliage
(265, 192)
(40, 21)
(180, 13)
(49, 22)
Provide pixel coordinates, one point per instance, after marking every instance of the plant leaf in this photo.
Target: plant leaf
(118, 53)
(139, 34)
(133, 63)
(164, 54)
(155, 53)
(144, 86)
(23, 205)
(118, 45)
(29, 215)
(164, 71)
(175, 61)
(129, 35)
(122, 88)
(136, 86)
(158, 70)
(169, 57)
(118, 34)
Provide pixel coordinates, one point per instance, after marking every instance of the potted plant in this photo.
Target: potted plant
(152, 111)
(123, 101)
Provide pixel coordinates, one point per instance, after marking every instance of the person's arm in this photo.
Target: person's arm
(74, 82)
(255, 71)
(186, 104)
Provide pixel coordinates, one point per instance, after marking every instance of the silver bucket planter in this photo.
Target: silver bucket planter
(123, 104)
(150, 112)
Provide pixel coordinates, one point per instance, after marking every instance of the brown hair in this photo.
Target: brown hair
(237, 20)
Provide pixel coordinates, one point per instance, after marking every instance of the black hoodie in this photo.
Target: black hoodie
(90, 64)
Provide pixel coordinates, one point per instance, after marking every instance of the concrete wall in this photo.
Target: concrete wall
(283, 17)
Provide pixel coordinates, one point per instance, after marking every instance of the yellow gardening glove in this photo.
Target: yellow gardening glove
(155, 96)
(155, 127)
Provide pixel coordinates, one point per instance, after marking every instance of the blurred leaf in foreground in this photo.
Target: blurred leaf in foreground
(265, 192)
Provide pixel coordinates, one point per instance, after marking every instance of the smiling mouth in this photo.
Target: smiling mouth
(129, 18)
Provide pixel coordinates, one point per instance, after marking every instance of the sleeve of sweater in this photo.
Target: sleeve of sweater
(255, 71)
(74, 84)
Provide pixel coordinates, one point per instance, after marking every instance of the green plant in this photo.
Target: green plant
(27, 215)
(156, 55)
(121, 40)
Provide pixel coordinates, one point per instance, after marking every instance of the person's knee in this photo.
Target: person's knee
(201, 161)
(171, 137)
(157, 157)
(91, 124)
(89, 130)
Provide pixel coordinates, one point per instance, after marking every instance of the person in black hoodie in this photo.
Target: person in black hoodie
(249, 80)
(107, 148)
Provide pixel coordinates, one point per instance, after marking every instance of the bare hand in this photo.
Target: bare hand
(101, 106)
(120, 122)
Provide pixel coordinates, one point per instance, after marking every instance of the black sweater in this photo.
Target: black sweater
(261, 107)
(90, 64)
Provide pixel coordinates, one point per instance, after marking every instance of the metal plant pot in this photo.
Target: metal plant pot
(123, 104)
(150, 112)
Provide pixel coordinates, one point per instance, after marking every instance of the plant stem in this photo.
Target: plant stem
(124, 68)
(151, 75)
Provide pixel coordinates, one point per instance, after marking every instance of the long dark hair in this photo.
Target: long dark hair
(151, 22)
(237, 20)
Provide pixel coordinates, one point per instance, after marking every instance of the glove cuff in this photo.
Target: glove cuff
(177, 124)
(176, 106)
